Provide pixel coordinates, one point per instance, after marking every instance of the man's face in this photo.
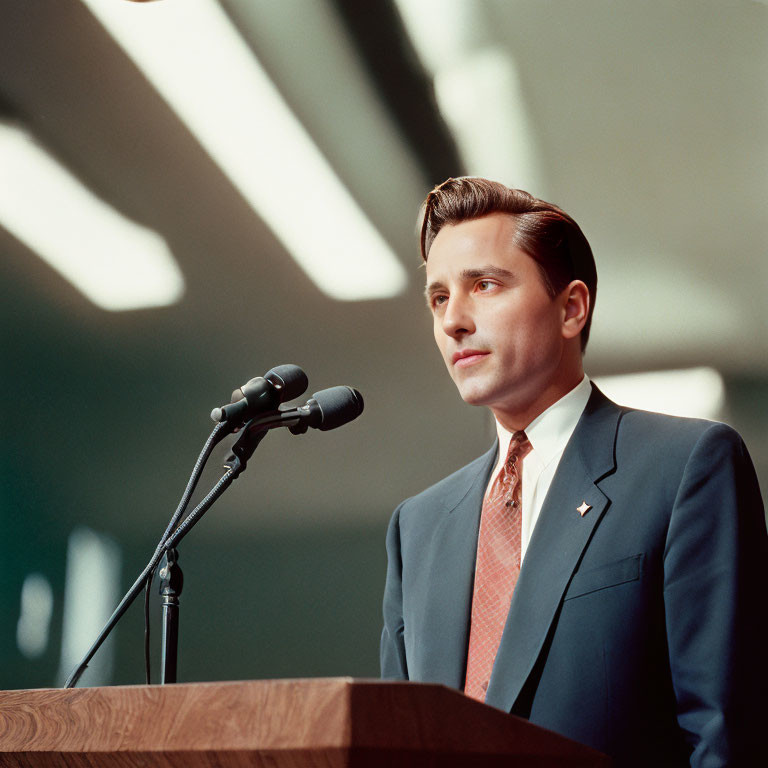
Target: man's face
(497, 328)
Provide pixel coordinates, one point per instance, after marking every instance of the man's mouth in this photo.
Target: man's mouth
(466, 357)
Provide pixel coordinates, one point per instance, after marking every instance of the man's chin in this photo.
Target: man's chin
(474, 395)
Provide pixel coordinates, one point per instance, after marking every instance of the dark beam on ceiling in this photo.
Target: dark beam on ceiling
(394, 66)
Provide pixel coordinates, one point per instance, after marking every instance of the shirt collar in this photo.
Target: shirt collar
(550, 430)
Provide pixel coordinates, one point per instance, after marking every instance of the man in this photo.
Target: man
(600, 571)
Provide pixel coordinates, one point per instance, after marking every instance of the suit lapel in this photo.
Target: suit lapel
(560, 536)
(452, 557)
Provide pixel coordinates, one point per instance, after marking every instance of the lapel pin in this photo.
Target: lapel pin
(584, 508)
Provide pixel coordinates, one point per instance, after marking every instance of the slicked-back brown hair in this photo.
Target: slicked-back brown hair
(542, 230)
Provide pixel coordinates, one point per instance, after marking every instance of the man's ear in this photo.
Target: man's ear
(575, 302)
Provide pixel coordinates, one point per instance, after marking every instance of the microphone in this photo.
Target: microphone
(262, 395)
(325, 410)
(328, 409)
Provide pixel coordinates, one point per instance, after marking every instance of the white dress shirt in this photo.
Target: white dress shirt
(548, 434)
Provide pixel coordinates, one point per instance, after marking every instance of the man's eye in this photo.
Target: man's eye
(439, 300)
(485, 285)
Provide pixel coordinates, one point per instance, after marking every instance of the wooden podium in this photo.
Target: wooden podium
(319, 723)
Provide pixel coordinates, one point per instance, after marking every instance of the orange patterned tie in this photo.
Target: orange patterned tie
(497, 568)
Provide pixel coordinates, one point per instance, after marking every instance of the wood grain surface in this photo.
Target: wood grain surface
(319, 723)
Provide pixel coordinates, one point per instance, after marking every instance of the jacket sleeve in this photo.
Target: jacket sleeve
(715, 593)
(393, 661)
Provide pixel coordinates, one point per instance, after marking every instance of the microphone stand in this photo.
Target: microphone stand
(242, 451)
(170, 573)
(171, 584)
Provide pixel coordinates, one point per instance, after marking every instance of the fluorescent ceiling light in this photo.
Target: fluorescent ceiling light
(195, 57)
(438, 28)
(482, 102)
(113, 261)
(477, 87)
(697, 392)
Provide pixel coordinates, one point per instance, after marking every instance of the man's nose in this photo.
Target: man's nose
(457, 318)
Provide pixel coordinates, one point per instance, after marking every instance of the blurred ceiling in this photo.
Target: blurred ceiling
(651, 128)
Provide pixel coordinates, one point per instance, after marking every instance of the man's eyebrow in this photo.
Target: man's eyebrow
(433, 287)
(486, 271)
(473, 274)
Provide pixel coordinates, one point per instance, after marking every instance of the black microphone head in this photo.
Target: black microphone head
(290, 379)
(263, 394)
(338, 406)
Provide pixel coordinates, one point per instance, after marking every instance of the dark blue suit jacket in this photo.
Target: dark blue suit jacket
(640, 628)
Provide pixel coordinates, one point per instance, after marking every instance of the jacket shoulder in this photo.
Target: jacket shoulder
(674, 432)
(665, 450)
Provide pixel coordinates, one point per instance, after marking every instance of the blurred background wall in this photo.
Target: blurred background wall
(229, 144)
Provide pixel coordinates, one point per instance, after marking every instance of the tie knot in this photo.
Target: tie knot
(519, 447)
